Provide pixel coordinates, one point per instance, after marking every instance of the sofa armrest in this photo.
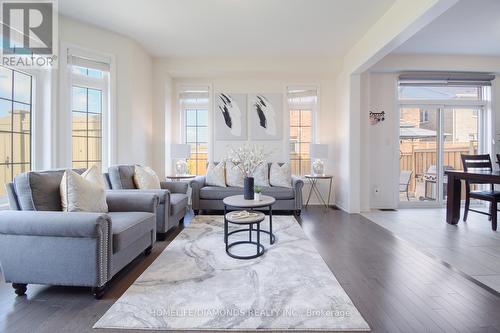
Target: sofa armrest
(175, 187)
(196, 184)
(297, 184)
(131, 201)
(56, 224)
(59, 248)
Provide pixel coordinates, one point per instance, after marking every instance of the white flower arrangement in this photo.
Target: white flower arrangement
(247, 158)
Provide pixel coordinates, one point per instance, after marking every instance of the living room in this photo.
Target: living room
(249, 166)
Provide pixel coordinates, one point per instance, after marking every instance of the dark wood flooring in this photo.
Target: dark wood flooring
(395, 287)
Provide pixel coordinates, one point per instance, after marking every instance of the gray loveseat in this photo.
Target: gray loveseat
(173, 197)
(41, 244)
(205, 197)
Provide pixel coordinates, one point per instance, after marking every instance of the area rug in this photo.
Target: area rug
(195, 285)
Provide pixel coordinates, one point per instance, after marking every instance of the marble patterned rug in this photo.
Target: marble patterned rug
(195, 285)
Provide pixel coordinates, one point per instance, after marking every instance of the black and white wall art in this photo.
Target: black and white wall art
(266, 116)
(230, 116)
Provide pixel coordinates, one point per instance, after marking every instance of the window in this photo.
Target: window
(16, 90)
(424, 116)
(194, 108)
(302, 104)
(89, 96)
(439, 121)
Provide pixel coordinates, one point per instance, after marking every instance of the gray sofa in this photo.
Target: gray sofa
(204, 197)
(41, 244)
(173, 197)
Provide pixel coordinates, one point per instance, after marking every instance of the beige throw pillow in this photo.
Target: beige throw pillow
(280, 175)
(83, 193)
(145, 178)
(215, 175)
(234, 176)
(261, 175)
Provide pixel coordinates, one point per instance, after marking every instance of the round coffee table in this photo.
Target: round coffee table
(256, 218)
(236, 202)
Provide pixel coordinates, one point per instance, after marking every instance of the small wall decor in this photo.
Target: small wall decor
(376, 117)
(266, 116)
(230, 117)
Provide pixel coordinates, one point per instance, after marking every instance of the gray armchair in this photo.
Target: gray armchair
(173, 197)
(41, 244)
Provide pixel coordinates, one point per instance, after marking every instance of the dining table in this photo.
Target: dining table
(454, 188)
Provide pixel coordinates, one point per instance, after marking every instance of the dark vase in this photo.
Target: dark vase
(248, 189)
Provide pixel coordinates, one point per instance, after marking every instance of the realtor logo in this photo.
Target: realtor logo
(29, 30)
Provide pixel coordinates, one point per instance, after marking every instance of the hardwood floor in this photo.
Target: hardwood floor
(396, 287)
(471, 247)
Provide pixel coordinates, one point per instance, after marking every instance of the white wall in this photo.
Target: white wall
(133, 87)
(397, 25)
(382, 166)
(242, 76)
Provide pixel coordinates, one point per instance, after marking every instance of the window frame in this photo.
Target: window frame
(32, 106)
(101, 84)
(184, 107)
(63, 124)
(313, 107)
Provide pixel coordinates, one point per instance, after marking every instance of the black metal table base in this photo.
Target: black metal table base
(260, 249)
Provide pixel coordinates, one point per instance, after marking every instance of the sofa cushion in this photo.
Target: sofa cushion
(279, 193)
(280, 175)
(145, 178)
(178, 202)
(127, 227)
(234, 176)
(121, 177)
(83, 193)
(216, 175)
(218, 193)
(39, 190)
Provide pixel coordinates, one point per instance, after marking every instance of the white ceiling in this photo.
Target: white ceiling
(234, 27)
(471, 27)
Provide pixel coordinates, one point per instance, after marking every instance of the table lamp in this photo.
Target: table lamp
(319, 152)
(180, 152)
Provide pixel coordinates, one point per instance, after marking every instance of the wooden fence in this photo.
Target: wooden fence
(421, 159)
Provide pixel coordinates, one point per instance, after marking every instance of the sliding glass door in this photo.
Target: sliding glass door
(431, 140)
(418, 152)
(460, 134)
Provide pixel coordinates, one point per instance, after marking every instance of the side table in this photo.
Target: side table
(313, 180)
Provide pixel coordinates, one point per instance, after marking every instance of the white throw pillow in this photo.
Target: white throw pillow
(261, 175)
(280, 175)
(145, 178)
(83, 193)
(215, 175)
(234, 176)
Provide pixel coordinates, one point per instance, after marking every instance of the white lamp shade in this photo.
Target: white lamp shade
(319, 150)
(180, 150)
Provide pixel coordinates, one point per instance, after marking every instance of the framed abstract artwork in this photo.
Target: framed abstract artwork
(266, 116)
(230, 116)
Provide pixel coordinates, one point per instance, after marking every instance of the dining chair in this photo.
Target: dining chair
(404, 182)
(480, 163)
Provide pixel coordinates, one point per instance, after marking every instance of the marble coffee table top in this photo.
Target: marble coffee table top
(240, 201)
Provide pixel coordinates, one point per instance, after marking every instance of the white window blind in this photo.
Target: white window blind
(88, 63)
(446, 78)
